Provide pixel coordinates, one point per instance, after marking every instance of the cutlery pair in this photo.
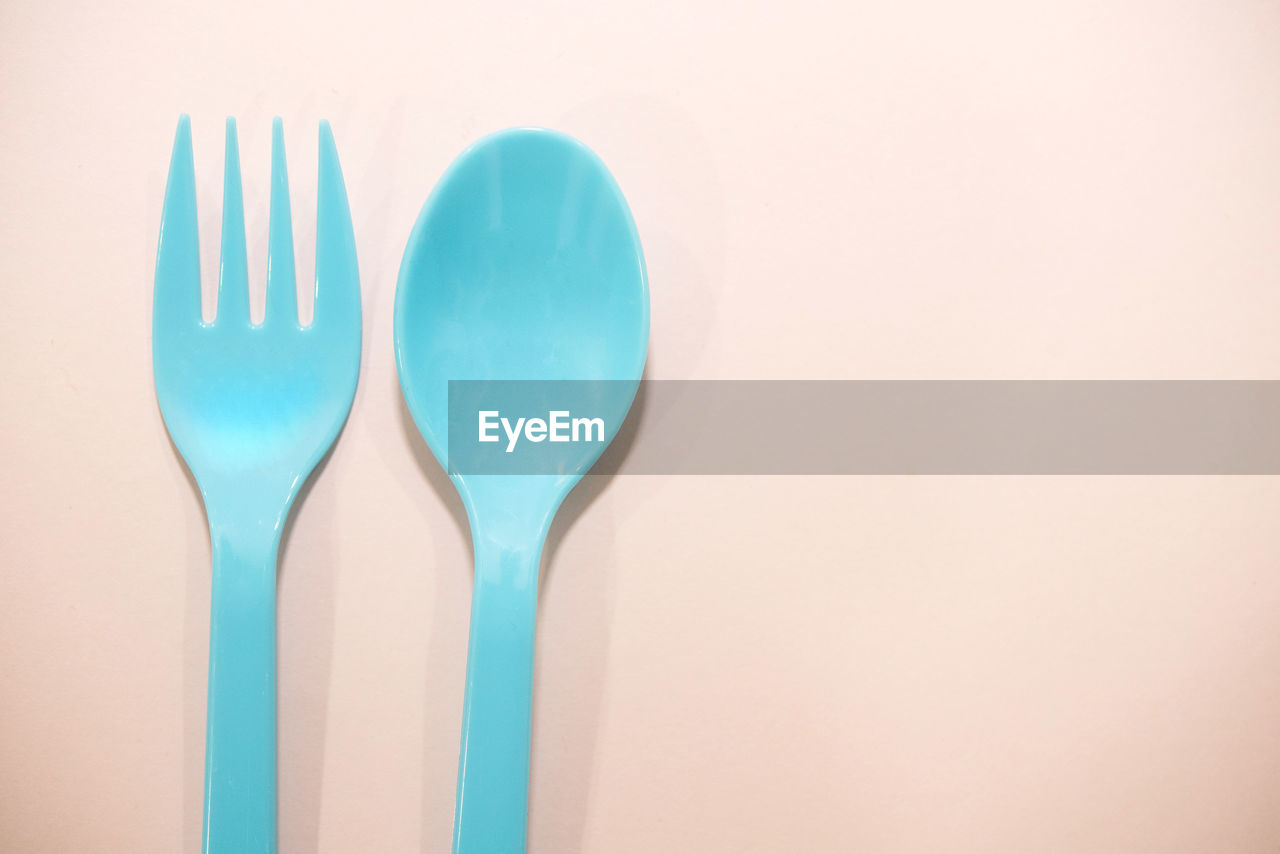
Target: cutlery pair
(524, 265)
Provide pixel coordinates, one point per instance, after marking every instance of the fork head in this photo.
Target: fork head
(252, 408)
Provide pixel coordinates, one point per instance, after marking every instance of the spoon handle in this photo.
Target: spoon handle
(240, 743)
(493, 768)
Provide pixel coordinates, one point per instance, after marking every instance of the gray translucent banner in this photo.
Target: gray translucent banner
(870, 427)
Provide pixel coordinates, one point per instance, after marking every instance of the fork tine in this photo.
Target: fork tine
(337, 294)
(282, 284)
(177, 287)
(233, 274)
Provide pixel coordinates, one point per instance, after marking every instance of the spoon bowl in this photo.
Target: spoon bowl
(524, 265)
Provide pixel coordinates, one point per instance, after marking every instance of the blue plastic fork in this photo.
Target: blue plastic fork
(252, 408)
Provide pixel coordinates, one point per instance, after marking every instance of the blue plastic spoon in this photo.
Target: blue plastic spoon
(523, 265)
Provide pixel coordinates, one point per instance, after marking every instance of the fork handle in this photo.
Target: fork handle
(493, 767)
(240, 745)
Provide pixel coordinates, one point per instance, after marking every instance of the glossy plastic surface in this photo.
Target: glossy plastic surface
(252, 409)
(524, 264)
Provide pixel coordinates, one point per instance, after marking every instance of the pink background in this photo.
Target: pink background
(878, 664)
